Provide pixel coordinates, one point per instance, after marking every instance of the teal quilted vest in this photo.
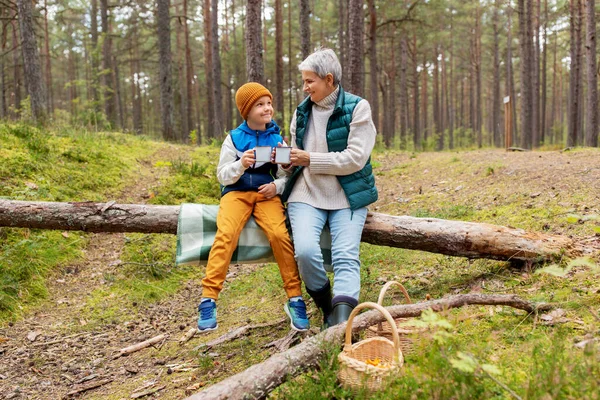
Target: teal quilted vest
(359, 187)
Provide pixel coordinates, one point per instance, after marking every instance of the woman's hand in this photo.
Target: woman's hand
(248, 158)
(269, 190)
(300, 158)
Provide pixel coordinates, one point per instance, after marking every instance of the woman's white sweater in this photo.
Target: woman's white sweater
(318, 184)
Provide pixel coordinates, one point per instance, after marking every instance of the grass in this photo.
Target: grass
(54, 165)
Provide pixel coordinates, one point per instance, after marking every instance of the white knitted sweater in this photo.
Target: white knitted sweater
(318, 184)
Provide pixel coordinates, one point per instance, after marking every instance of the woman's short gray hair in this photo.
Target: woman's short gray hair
(323, 62)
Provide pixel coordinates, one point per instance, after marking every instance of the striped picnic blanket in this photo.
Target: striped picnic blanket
(197, 227)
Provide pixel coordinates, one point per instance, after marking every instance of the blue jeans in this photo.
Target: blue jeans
(346, 229)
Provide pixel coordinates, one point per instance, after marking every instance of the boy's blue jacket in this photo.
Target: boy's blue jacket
(243, 139)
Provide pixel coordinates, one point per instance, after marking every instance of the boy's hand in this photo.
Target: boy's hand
(248, 158)
(269, 190)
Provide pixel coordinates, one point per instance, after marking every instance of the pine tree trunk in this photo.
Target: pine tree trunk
(109, 98)
(50, 93)
(591, 128)
(496, 106)
(451, 106)
(374, 100)
(526, 48)
(305, 28)
(209, 70)
(254, 56)
(436, 94)
(3, 39)
(416, 100)
(279, 105)
(478, 98)
(403, 90)
(136, 99)
(544, 98)
(535, 122)
(217, 96)
(94, 53)
(183, 128)
(356, 63)
(189, 77)
(425, 105)
(164, 78)
(342, 5)
(575, 75)
(443, 100)
(555, 94)
(118, 98)
(31, 62)
(16, 68)
(290, 64)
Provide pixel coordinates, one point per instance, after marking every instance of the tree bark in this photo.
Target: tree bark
(416, 100)
(217, 96)
(575, 75)
(109, 101)
(305, 28)
(374, 100)
(526, 49)
(165, 79)
(17, 82)
(208, 69)
(94, 52)
(456, 238)
(50, 98)
(356, 64)
(254, 48)
(342, 38)
(403, 100)
(189, 75)
(31, 62)
(591, 127)
(496, 107)
(279, 106)
(260, 379)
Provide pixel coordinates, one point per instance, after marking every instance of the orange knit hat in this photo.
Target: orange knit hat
(247, 94)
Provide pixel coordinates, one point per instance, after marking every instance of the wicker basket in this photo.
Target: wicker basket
(406, 333)
(354, 371)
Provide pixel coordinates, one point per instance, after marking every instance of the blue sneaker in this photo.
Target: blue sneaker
(296, 309)
(207, 315)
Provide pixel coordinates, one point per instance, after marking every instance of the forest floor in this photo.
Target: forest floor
(124, 288)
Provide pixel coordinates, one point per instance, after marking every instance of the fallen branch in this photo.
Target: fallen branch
(285, 342)
(188, 335)
(236, 333)
(147, 392)
(89, 386)
(139, 346)
(260, 379)
(455, 238)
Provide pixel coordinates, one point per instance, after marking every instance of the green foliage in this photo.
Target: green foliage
(190, 180)
(54, 165)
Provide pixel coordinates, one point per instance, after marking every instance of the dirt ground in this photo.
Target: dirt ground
(37, 361)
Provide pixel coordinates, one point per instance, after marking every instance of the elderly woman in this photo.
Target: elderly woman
(331, 183)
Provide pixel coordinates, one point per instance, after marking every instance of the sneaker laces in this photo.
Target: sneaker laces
(299, 308)
(206, 310)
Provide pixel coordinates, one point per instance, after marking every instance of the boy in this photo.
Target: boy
(251, 188)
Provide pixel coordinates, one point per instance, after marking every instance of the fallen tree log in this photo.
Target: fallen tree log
(260, 379)
(456, 238)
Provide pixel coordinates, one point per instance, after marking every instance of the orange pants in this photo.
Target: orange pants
(234, 211)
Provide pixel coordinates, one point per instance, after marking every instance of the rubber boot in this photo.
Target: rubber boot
(322, 299)
(342, 307)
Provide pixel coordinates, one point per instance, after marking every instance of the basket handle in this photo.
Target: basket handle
(387, 286)
(386, 314)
